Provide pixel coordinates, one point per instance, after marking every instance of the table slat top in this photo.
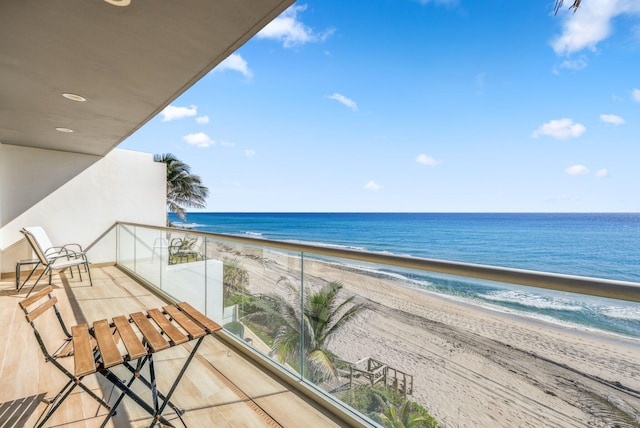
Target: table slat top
(208, 324)
(185, 322)
(135, 348)
(172, 332)
(154, 339)
(108, 349)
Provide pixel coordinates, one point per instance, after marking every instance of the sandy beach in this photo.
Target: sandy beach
(473, 367)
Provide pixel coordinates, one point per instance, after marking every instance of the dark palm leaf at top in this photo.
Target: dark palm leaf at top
(574, 6)
(184, 189)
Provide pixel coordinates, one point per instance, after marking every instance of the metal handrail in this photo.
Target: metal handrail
(607, 288)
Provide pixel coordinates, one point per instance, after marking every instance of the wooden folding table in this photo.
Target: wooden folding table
(157, 330)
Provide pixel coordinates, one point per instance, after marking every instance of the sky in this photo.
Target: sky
(418, 106)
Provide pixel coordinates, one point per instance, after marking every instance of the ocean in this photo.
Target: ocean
(600, 245)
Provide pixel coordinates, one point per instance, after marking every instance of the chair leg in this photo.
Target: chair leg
(58, 401)
(86, 265)
(40, 277)
(28, 276)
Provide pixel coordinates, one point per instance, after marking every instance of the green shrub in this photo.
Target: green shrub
(371, 400)
(388, 407)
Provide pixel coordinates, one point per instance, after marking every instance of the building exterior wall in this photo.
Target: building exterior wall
(75, 198)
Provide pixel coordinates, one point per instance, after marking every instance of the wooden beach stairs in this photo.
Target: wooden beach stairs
(373, 372)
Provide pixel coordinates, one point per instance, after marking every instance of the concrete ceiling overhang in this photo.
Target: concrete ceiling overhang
(129, 62)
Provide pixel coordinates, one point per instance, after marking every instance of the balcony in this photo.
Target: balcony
(467, 366)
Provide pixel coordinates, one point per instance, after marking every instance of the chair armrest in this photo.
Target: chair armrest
(54, 253)
(77, 248)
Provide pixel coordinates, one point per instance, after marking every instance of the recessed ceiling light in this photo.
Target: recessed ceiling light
(64, 130)
(119, 2)
(74, 97)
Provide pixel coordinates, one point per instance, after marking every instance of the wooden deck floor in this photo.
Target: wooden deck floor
(220, 388)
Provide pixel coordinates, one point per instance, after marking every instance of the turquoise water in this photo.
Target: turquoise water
(595, 245)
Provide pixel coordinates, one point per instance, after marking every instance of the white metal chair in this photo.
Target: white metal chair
(53, 257)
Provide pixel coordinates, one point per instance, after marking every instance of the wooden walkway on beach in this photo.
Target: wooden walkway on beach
(372, 372)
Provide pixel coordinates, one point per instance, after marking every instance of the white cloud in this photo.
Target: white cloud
(372, 186)
(234, 62)
(249, 152)
(635, 94)
(560, 128)
(227, 144)
(576, 65)
(601, 173)
(426, 160)
(577, 170)
(612, 119)
(202, 119)
(172, 112)
(591, 24)
(344, 100)
(288, 29)
(199, 140)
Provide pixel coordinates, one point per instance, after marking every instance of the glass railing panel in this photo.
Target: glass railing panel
(261, 298)
(451, 345)
(126, 254)
(150, 254)
(185, 274)
(333, 304)
(462, 350)
(172, 261)
(190, 276)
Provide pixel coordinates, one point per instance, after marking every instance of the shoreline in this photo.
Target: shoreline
(399, 279)
(543, 321)
(472, 366)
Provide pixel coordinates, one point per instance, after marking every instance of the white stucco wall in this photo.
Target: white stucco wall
(83, 196)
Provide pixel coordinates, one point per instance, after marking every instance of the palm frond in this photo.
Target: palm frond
(184, 189)
(321, 364)
(559, 3)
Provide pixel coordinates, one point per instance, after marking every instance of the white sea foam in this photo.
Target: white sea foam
(529, 315)
(188, 225)
(531, 300)
(381, 273)
(254, 234)
(621, 312)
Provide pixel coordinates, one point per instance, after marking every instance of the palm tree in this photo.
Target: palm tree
(184, 189)
(406, 416)
(574, 6)
(322, 316)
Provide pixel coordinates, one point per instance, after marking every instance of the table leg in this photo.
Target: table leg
(111, 377)
(135, 374)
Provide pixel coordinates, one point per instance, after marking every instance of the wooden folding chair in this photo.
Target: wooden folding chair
(34, 307)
